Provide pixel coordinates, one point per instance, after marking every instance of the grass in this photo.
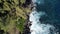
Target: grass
(20, 12)
(20, 24)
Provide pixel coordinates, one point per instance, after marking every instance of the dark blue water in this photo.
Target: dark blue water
(52, 9)
(46, 13)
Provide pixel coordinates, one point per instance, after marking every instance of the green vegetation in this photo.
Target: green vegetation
(13, 15)
(20, 24)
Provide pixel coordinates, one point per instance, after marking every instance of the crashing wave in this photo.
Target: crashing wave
(37, 27)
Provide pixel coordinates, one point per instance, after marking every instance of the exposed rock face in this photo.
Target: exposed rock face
(26, 30)
(26, 26)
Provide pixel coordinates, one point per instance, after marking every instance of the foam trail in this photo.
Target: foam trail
(37, 27)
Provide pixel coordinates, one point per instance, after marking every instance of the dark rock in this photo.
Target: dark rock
(1, 31)
(26, 26)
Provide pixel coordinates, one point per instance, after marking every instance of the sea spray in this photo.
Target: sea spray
(37, 27)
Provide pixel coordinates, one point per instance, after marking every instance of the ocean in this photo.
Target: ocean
(45, 17)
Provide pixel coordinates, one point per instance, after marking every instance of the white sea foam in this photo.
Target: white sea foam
(38, 1)
(37, 27)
